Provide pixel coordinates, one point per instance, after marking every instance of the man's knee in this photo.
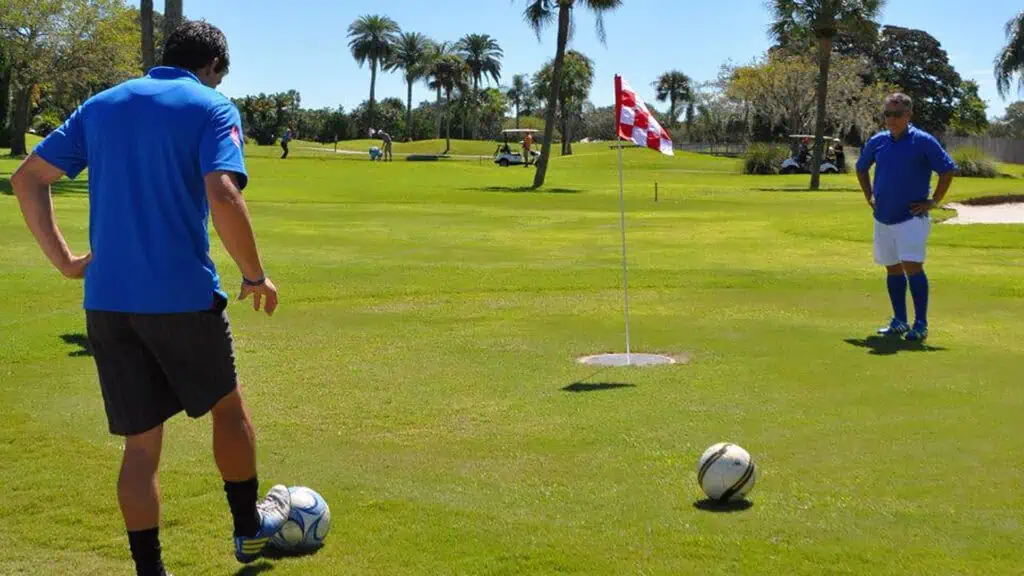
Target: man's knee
(229, 408)
(142, 451)
(912, 268)
(895, 270)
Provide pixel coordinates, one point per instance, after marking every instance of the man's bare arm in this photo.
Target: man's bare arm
(865, 185)
(31, 183)
(945, 180)
(231, 220)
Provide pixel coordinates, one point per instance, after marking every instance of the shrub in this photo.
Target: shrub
(973, 162)
(46, 122)
(763, 158)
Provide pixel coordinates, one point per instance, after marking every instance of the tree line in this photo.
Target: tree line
(826, 72)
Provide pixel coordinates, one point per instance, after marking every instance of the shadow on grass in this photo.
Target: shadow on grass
(994, 200)
(80, 340)
(276, 554)
(253, 569)
(526, 189)
(64, 186)
(595, 386)
(804, 189)
(709, 505)
(888, 345)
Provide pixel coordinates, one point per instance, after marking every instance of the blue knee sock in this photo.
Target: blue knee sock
(898, 294)
(919, 292)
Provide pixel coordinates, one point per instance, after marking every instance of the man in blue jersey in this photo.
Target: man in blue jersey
(164, 152)
(904, 158)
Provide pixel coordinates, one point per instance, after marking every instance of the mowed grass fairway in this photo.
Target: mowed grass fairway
(416, 374)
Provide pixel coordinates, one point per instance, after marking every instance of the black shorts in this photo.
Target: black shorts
(152, 366)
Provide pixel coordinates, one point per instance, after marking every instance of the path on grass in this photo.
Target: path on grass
(993, 214)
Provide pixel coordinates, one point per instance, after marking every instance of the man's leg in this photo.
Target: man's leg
(138, 493)
(887, 254)
(196, 351)
(913, 239)
(896, 282)
(918, 281)
(234, 449)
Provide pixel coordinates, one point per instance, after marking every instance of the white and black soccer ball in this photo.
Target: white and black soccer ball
(726, 472)
(308, 523)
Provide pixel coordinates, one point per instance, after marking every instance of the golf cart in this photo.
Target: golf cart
(505, 155)
(832, 162)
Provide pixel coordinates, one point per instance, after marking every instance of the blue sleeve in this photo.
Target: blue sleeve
(938, 159)
(222, 146)
(867, 156)
(65, 147)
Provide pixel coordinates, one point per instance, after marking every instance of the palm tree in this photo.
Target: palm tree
(450, 73)
(146, 22)
(822, 19)
(577, 79)
(410, 55)
(435, 53)
(518, 93)
(483, 56)
(173, 16)
(1011, 60)
(372, 39)
(673, 86)
(540, 13)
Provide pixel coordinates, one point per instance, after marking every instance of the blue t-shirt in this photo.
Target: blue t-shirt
(903, 171)
(148, 143)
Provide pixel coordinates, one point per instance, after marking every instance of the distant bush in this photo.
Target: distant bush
(973, 162)
(46, 122)
(763, 158)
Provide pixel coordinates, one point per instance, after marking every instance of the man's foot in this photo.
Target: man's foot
(918, 334)
(273, 511)
(896, 327)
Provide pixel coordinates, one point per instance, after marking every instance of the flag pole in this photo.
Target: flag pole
(625, 274)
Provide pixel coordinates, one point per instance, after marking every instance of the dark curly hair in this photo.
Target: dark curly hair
(193, 45)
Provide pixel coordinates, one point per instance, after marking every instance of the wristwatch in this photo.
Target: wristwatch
(260, 282)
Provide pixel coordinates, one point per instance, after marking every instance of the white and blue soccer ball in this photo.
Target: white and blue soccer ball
(726, 472)
(308, 523)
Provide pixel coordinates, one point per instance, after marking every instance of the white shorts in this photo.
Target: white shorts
(903, 242)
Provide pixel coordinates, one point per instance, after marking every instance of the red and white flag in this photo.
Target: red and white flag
(635, 122)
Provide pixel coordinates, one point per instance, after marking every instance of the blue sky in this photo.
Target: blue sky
(301, 44)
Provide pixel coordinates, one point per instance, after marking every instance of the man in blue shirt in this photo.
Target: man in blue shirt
(164, 152)
(284, 142)
(904, 159)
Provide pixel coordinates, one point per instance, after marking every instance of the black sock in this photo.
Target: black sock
(242, 500)
(145, 545)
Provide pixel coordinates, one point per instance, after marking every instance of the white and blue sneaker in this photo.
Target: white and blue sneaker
(896, 327)
(919, 333)
(273, 510)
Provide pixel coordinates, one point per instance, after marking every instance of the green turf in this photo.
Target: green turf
(415, 375)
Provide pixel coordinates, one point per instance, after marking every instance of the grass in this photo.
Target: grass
(420, 374)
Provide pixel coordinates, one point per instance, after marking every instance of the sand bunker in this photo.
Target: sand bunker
(993, 214)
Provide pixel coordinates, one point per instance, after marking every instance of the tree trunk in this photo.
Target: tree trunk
(5, 94)
(20, 119)
(448, 130)
(556, 84)
(146, 22)
(440, 115)
(373, 84)
(173, 17)
(408, 113)
(517, 115)
(672, 110)
(476, 109)
(566, 138)
(824, 59)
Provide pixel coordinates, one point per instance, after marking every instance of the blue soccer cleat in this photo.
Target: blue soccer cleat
(918, 334)
(273, 510)
(896, 327)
